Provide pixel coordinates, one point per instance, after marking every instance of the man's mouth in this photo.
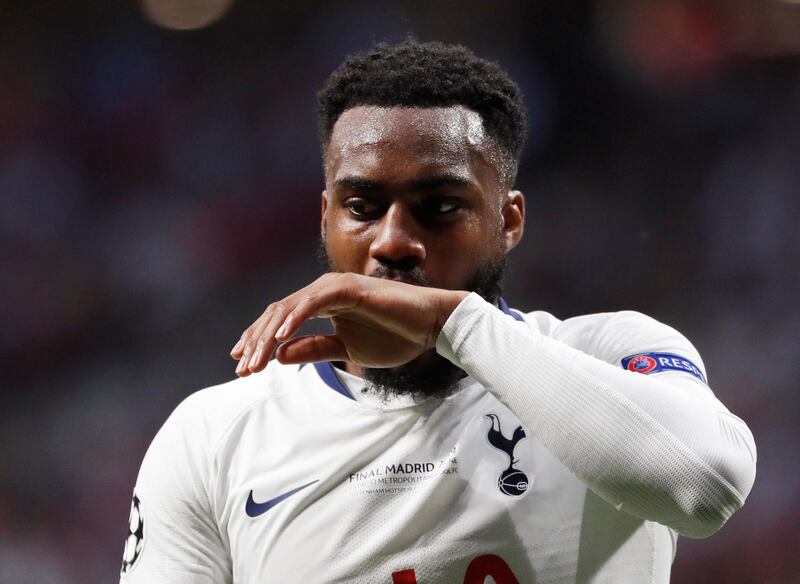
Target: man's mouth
(403, 279)
(407, 277)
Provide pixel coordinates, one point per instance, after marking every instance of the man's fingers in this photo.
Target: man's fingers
(312, 349)
(236, 352)
(256, 356)
(323, 302)
(325, 296)
(258, 342)
(304, 310)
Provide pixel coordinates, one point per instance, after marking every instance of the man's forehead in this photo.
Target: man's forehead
(369, 124)
(452, 134)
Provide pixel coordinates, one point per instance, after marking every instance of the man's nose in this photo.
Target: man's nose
(398, 238)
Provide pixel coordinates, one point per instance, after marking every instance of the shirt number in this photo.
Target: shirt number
(477, 572)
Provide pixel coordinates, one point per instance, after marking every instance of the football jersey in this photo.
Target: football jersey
(291, 475)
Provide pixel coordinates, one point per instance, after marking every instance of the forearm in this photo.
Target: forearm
(637, 441)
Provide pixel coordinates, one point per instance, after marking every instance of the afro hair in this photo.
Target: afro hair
(432, 74)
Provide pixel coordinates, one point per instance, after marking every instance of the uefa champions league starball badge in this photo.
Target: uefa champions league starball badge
(134, 542)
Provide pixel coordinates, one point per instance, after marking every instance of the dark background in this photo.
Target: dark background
(160, 181)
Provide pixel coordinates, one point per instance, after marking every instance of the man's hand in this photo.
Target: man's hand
(376, 322)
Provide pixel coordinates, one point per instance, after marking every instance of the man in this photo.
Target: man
(437, 436)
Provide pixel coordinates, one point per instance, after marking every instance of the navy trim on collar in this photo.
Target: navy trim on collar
(503, 305)
(328, 375)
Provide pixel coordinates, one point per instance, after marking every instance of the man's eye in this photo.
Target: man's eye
(361, 207)
(441, 207)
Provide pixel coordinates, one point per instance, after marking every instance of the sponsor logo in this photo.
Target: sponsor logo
(512, 481)
(254, 509)
(134, 542)
(655, 362)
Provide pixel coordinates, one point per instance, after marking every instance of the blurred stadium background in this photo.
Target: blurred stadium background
(160, 180)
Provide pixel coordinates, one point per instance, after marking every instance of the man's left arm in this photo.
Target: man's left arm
(658, 446)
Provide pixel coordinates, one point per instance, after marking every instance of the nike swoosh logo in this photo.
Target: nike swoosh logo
(254, 509)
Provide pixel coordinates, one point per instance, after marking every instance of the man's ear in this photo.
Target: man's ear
(513, 218)
(324, 215)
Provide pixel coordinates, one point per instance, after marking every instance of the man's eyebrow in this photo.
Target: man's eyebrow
(430, 183)
(357, 183)
(436, 182)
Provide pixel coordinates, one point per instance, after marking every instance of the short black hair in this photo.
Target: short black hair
(430, 74)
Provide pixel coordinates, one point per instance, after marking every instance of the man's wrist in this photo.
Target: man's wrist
(448, 301)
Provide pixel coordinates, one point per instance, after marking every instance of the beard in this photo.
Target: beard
(430, 374)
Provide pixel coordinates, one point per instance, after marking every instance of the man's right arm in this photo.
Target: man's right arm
(660, 447)
(173, 535)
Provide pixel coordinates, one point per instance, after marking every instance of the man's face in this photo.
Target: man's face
(415, 194)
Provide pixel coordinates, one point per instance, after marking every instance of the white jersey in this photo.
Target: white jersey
(555, 460)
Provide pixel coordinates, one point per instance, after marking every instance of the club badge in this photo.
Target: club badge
(512, 481)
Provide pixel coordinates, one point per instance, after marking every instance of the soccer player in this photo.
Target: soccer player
(437, 436)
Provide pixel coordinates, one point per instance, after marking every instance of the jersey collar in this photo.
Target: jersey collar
(503, 305)
(328, 375)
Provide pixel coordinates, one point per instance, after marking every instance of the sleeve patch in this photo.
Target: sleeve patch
(134, 542)
(655, 362)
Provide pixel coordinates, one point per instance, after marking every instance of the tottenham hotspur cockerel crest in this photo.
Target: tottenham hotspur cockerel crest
(512, 482)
